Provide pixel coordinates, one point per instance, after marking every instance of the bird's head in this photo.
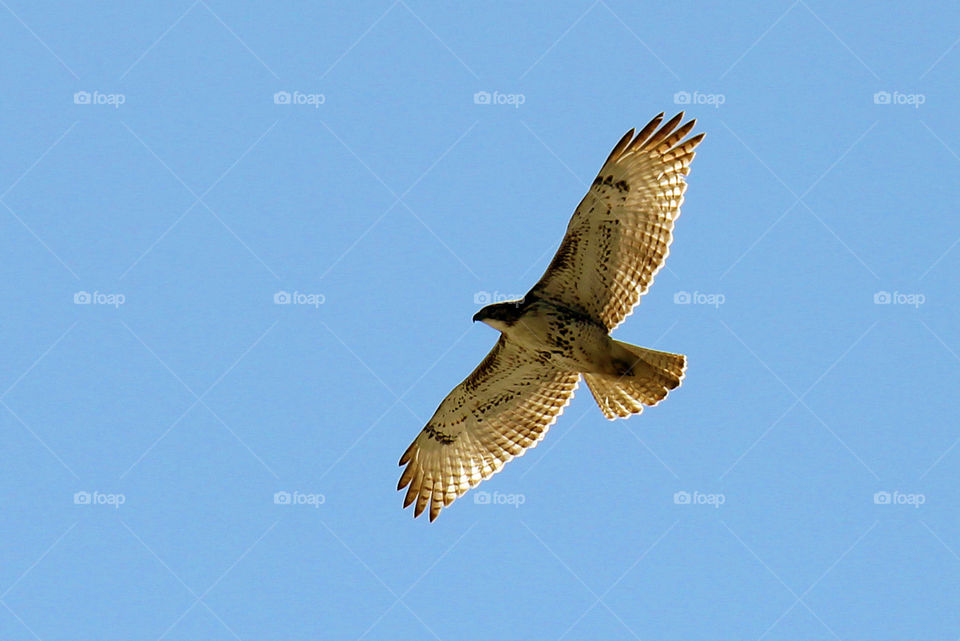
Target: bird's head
(500, 315)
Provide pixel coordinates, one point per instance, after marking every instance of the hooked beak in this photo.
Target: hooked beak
(477, 317)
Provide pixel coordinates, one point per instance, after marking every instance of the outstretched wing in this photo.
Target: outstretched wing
(620, 234)
(504, 407)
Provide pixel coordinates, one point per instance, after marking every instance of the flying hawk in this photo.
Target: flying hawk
(617, 240)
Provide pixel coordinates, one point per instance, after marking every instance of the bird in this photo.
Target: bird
(615, 243)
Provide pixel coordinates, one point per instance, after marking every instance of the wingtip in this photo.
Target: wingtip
(405, 458)
(670, 124)
(693, 142)
(646, 131)
(410, 496)
(619, 148)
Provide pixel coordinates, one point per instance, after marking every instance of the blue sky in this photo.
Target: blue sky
(169, 168)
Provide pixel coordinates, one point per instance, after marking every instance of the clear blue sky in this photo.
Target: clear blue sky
(155, 197)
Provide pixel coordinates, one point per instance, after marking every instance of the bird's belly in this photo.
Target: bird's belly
(564, 341)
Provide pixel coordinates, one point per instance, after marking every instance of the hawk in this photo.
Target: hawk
(617, 240)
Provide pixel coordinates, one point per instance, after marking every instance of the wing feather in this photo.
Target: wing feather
(498, 412)
(620, 235)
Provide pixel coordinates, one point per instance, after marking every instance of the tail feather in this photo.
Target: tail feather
(648, 380)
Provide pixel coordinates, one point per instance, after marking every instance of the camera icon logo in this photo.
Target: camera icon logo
(881, 298)
(81, 298)
(281, 98)
(681, 98)
(482, 498)
(81, 98)
(482, 298)
(881, 498)
(681, 498)
(281, 498)
(881, 98)
(681, 298)
(281, 298)
(481, 98)
(81, 498)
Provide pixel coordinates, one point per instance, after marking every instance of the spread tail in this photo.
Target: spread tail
(648, 376)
